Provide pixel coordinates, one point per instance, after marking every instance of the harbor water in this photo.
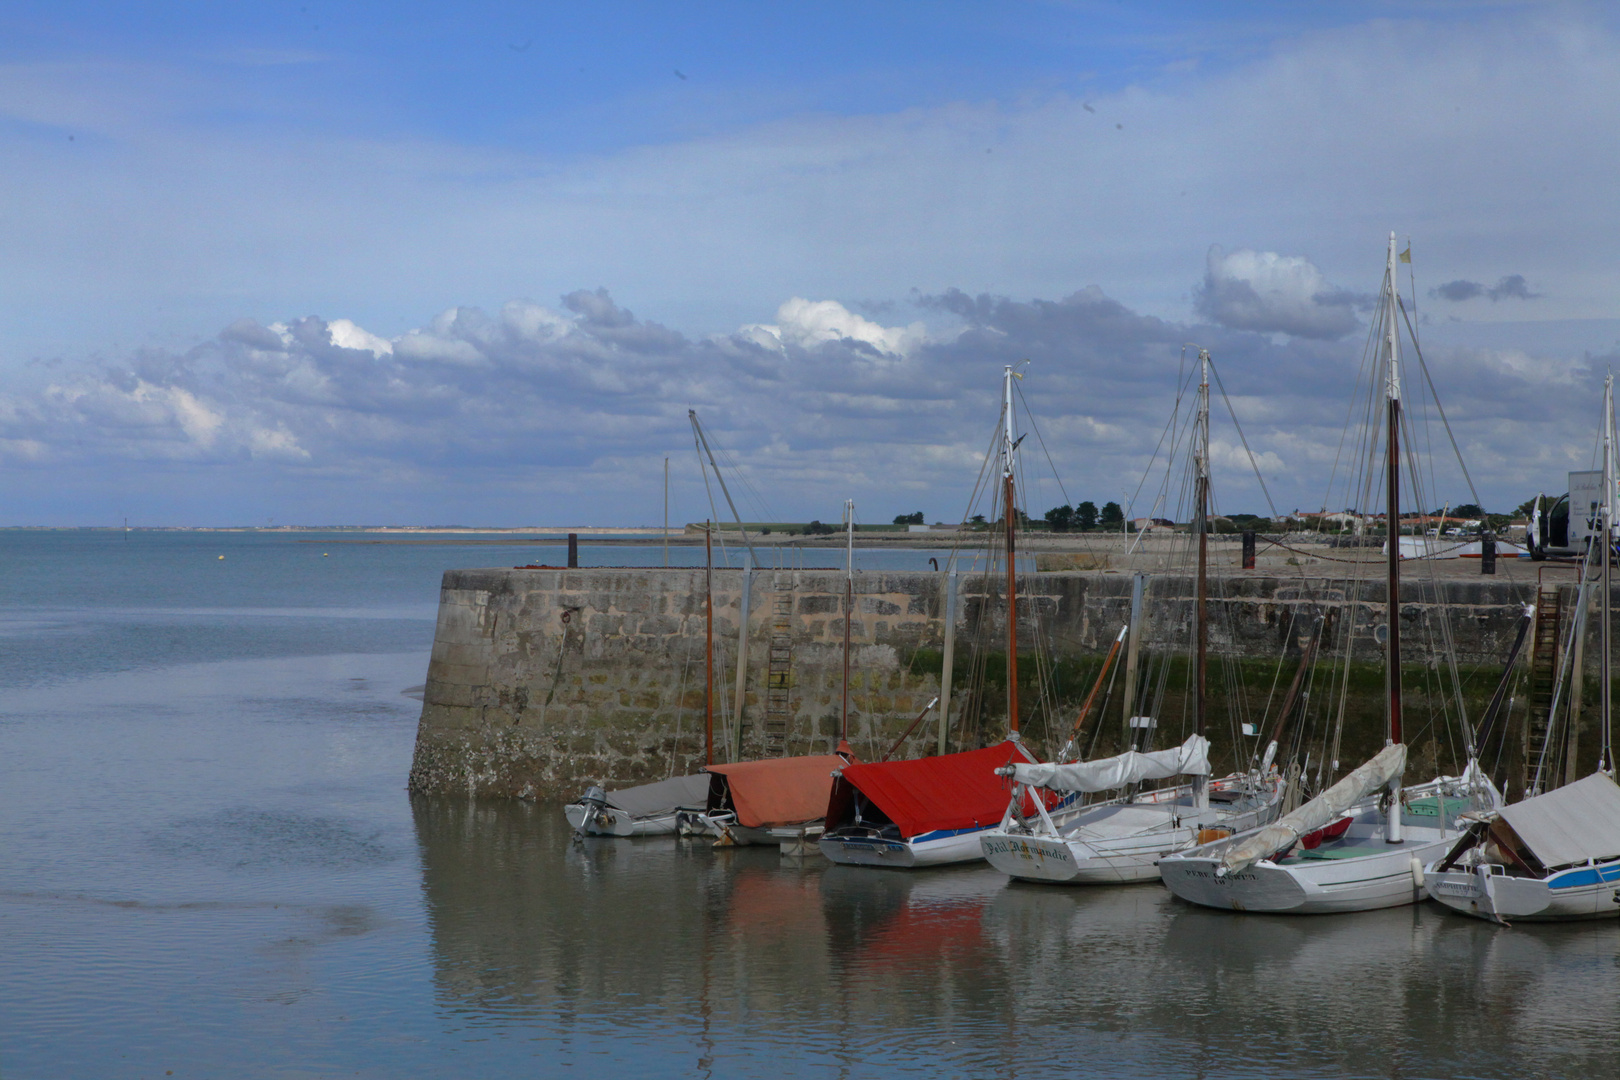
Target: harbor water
(209, 867)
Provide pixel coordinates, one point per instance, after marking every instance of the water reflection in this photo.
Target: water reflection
(673, 956)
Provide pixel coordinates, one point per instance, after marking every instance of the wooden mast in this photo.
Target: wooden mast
(708, 644)
(1201, 527)
(1009, 513)
(1606, 538)
(849, 615)
(1392, 508)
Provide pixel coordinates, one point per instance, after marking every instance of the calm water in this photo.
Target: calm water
(208, 864)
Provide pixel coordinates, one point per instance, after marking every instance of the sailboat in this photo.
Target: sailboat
(1122, 839)
(1362, 843)
(1553, 856)
(780, 801)
(659, 808)
(931, 811)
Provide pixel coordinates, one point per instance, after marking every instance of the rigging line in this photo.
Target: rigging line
(1253, 464)
(1350, 409)
(714, 513)
(1424, 367)
(1036, 428)
(1448, 643)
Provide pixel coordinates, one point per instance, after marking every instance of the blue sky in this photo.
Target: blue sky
(309, 262)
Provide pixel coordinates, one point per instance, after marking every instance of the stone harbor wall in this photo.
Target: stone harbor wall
(543, 680)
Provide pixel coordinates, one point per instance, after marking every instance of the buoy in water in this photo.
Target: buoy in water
(222, 556)
(324, 555)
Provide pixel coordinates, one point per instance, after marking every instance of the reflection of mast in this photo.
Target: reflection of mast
(1201, 527)
(1392, 517)
(1008, 445)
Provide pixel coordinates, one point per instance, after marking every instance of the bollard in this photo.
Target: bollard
(1487, 553)
(573, 551)
(1248, 551)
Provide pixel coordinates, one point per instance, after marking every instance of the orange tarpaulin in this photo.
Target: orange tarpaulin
(780, 791)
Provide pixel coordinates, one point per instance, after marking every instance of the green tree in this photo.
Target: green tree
(1112, 517)
(909, 519)
(1085, 516)
(1060, 518)
(1468, 510)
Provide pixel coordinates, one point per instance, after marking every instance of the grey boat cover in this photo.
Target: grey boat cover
(1571, 824)
(664, 797)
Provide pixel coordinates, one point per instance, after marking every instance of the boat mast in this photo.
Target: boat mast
(1607, 514)
(1008, 445)
(849, 612)
(1201, 527)
(708, 644)
(1392, 509)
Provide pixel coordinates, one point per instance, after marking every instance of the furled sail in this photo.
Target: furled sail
(1325, 809)
(1109, 774)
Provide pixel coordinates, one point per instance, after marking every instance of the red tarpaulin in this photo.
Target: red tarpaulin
(950, 791)
(780, 791)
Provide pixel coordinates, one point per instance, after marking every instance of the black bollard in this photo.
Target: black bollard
(1248, 551)
(573, 550)
(1487, 553)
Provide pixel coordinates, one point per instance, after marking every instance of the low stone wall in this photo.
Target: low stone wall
(544, 680)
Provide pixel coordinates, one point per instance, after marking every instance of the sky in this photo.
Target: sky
(311, 263)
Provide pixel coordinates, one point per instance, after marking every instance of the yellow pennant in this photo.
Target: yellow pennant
(1406, 256)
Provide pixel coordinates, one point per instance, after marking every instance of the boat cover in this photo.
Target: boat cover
(664, 797)
(780, 791)
(1112, 773)
(1571, 824)
(947, 791)
(1325, 809)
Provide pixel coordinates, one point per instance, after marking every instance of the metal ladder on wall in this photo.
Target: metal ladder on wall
(1543, 676)
(779, 675)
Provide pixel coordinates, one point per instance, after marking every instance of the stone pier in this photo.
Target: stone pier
(542, 680)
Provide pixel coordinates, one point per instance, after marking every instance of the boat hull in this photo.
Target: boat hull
(1391, 877)
(959, 846)
(611, 822)
(1486, 892)
(1058, 861)
(1117, 843)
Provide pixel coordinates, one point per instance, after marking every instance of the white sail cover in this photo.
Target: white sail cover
(1325, 809)
(1109, 774)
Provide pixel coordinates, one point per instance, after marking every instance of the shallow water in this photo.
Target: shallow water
(208, 864)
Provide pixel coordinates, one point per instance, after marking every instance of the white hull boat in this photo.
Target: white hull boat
(645, 810)
(931, 849)
(1337, 852)
(1122, 840)
(1550, 858)
(924, 812)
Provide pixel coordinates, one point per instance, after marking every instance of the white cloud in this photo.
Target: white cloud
(1272, 293)
(808, 323)
(346, 335)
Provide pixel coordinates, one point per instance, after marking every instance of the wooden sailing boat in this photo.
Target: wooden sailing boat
(1363, 843)
(780, 801)
(1122, 839)
(1555, 856)
(930, 811)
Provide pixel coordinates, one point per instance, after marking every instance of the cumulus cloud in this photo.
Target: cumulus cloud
(810, 323)
(1510, 287)
(502, 416)
(1272, 293)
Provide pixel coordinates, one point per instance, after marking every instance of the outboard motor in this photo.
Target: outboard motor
(595, 801)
